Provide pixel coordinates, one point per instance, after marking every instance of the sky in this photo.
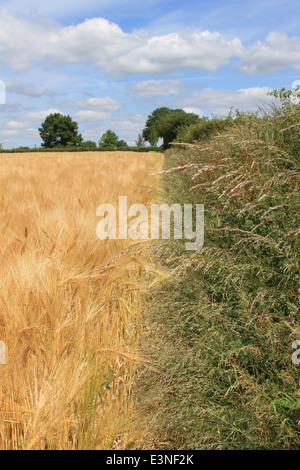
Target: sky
(109, 63)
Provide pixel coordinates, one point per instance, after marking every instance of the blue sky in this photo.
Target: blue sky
(110, 63)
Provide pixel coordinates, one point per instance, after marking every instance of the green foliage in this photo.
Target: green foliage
(23, 149)
(167, 123)
(206, 128)
(282, 123)
(225, 318)
(59, 131)
(77, 149)
(88, 145)
(108, 141)
(122, 145)
(285, 95)
(150, 133)
(140, 142)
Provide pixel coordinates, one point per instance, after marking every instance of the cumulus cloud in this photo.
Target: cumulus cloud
(276, 52)
(8, 132)
(24, 42)
(199, 50)
(153, 88)
(106, 104)
(15, 125)
(36, 116)
(28, 89)
(222, 100)
(91, 116)
(93, 109)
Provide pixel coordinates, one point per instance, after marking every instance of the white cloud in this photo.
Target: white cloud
(244, 99)
(30, 133)
(153, 88)
(106, 104)
(24, 42)
(11, 132)
(28, 89)
(15, 125)
(90, 116)
(198, 50)
(36, 116)
(93, 109)
(276, 52)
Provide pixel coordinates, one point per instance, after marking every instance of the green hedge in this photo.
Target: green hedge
(224, 319)
(78, 149)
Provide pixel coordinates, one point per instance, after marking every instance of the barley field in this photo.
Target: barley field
(69, 302)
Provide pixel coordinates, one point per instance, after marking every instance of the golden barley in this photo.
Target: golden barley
(69, 303)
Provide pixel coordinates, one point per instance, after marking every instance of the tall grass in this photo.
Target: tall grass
(224, 319)
(69, 303)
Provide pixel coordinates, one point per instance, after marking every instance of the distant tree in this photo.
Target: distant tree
(89, 145)
(122, 145)
(166, 123)
(109, 140)
(59, 131)
(140, 142)
(1, 146)
(150, 132)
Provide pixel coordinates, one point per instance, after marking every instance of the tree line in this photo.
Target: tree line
(169, 125)
(58, 131)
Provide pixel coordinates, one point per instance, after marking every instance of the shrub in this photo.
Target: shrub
(88, 145)
(122, 145)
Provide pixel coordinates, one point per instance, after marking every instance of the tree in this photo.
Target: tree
(59, 131)
(89, 145)
(122, 145)
(140, 142)
(109, 140)
(150, 132)
(166, 123)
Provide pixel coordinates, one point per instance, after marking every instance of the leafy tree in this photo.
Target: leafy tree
(89, 145)
(1, 146)
(109, 140)
(58, 130)
(140, 142)
(166, 123)
(150, 132)
(122, 144)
